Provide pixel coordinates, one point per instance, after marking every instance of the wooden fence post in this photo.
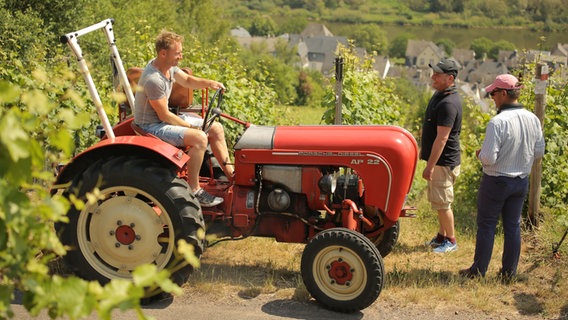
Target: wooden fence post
(338, 89)
(541, 82)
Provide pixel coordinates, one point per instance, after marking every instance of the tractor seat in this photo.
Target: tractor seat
(140, 132)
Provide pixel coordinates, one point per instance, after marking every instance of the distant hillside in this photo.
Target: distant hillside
(547, 15)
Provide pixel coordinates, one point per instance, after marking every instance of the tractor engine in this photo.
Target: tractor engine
(305, 190)
(293, 202)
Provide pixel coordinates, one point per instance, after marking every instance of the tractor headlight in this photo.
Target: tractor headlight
(327, 184)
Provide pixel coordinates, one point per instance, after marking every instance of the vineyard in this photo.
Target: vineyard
(46, 117)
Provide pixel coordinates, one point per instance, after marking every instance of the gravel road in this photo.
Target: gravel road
(270, 306)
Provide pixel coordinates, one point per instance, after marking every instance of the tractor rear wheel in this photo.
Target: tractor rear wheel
(342, 270)
(136, 215)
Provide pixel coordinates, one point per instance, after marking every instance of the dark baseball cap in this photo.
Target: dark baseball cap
(446, 65)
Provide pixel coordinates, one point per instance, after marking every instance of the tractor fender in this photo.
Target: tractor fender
(144, 147)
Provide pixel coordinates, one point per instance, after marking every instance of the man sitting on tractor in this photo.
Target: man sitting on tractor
(153, 115)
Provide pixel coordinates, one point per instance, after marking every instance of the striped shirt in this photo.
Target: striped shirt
(513, 139)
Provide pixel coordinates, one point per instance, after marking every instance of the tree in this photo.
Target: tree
(304, 89)
(354, 4)
(398, 46)
(447, 5)
(447, 44)
(286, 53)
(417, 5)
(262, 26)
(309, 89)
(498, 46)
(295, 25)
(370, 37)
(57, 15)
(481, 47)
(332, 4)
(315, 6)
(201, 18)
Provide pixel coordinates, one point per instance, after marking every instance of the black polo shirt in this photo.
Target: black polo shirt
(444, 109)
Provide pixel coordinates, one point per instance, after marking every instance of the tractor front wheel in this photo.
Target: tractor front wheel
(342, 270)
(386, 241)
(134, 213)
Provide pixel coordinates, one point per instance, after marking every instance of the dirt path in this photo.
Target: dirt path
(270, 306)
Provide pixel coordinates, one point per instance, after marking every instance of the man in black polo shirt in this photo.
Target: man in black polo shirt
(440, 147)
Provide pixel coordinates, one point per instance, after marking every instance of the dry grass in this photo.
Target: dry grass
(415, 276)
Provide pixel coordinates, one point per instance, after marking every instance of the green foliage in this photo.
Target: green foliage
(35, 131)
(554, 192)
(19, 39)
(369, 36)
(276, 71)
(474, 121)
(538, 15)
(262, 25)
(310, 88)
(248, 98)
(498, 46)
(555, 188)
(398, 46)
(46, 115)
(296, 25)
(485, 48)
(447, 44)
(366, 98)
(481, 47)
(55, 14)
(201, 18)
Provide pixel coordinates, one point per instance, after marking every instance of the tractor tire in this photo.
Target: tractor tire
(386, 241)
(342, 270)
(137, 216)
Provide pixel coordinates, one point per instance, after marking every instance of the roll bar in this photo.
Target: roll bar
(72, 39)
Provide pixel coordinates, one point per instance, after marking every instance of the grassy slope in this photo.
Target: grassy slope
(245, 269)
(415, 276)
(385, 12)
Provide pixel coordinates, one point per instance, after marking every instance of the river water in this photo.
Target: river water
(462, 37)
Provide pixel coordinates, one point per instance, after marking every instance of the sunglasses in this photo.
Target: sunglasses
(492, 93)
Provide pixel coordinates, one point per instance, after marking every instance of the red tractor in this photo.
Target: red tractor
(338, 189)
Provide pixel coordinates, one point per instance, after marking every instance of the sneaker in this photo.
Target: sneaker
(206, 199)
(446, 246)
(434, 243)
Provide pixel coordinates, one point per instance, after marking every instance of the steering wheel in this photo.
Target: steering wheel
(212, 113)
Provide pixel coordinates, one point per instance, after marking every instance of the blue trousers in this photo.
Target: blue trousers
(499, 196)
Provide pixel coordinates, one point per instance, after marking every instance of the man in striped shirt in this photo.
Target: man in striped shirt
(513, 140)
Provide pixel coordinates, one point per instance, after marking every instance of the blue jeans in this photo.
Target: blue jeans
(499, 196)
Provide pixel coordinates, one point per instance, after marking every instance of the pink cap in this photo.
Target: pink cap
(504, 81)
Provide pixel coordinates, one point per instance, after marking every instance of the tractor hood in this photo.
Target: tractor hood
(384, 156)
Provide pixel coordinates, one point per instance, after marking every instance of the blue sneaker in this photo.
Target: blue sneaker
(434, 243)
(446, 246)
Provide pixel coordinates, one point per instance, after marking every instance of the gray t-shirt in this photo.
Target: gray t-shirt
(155, 86)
